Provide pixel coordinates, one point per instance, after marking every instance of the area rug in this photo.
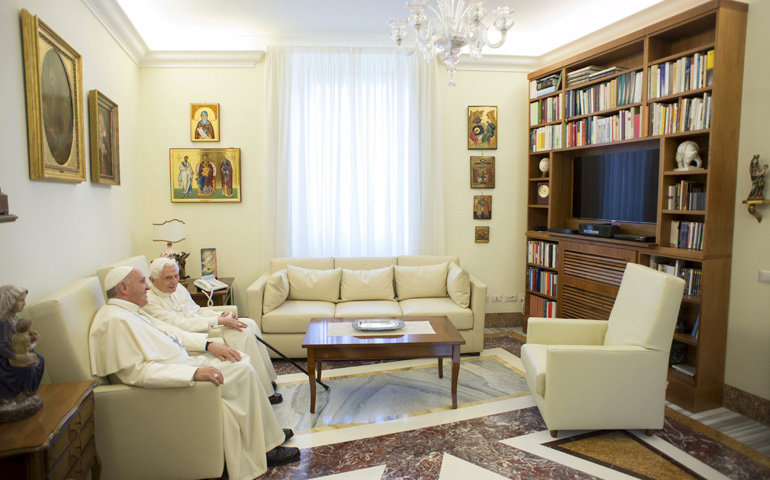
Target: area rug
(496, 433)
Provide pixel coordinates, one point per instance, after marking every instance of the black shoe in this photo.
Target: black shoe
(282, 456)
(287, 434)
(275, 386)
(275, 398)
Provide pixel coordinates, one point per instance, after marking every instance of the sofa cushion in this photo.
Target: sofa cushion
(321, 285)
(421, 282)
(276, 290)
(534, 357)
(458, 285)
(367, 284)
(294, 316)
(461, 318)
(368, 309)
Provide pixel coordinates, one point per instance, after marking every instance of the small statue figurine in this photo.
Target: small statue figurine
(757, 179)
(181, 260)
(687, 157)
(21, 368)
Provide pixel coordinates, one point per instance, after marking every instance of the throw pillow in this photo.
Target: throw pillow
(320, 285)
(421, 282)
(458, 284)
(276, 291)
(374, 284)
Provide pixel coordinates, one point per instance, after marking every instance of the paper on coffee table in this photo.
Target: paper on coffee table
(410, 328)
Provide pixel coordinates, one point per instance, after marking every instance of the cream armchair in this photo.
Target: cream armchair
(595, 374)
(140, 433)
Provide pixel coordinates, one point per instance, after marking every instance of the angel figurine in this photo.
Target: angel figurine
(757, 179)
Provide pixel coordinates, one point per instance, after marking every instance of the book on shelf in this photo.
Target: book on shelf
(617, 92)
(540, 307)
(547, 85)
(687, 73)
(622, 125)
(545, 111)
(686, 195)
(605, 73)
(582, 75)
(694, 332)
(686, 235)
(542, 253)
(542, 281)
(682, 116)
(685, 368)
(548, 137)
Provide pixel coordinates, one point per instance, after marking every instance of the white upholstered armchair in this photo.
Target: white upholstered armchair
(595, 374)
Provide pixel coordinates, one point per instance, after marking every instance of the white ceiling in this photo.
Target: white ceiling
(150, 29)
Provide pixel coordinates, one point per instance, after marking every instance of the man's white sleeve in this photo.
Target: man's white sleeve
(157, 375)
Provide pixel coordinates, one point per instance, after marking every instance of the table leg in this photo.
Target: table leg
(318, 368)
(96, 468)
(455, 372)
(440, 367)
(311, 376)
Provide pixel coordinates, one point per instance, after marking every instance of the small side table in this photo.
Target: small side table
(58, 441)
(219, 297)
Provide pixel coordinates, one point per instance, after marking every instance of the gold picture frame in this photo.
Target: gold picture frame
(105, 139)
(482, 172)
(53, 80)
(204, 122)
(482, 128)
(482, 235)
(482, 207)
(205, 175)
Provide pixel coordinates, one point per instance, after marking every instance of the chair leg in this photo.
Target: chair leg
(648, 432)
(554, 433)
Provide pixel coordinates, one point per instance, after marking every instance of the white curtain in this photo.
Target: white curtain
(353, 152)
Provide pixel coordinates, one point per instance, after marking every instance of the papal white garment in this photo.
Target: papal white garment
(143, 351)
(180, 310)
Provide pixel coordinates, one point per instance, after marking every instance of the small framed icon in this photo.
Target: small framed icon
(482, 234)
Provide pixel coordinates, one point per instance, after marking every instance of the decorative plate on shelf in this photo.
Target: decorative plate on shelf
(378, 324)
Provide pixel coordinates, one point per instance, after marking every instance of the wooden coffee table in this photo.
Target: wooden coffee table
(385, 346)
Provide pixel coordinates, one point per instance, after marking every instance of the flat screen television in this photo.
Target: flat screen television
(617, 187)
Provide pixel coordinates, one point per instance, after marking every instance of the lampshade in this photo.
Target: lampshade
(170, 231)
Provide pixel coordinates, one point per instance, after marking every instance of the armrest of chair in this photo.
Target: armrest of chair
(255, 295)
(478, 301)
(139, 429)
(226, 309)
(557, 331)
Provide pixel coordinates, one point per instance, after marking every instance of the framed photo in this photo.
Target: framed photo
(482, 128)
(205, 175)
(208, 261)
(482, 234)
(53, 80)
(204, 122)
(482, 207)
(482, 172)
(105, 144)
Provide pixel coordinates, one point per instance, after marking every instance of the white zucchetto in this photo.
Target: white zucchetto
(116, 275)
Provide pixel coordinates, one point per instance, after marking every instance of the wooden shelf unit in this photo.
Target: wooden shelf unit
(589, 269)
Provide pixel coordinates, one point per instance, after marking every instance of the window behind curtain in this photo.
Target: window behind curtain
(347, 152)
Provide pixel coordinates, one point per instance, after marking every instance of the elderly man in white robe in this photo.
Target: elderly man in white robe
(169, 302)
(145, 352)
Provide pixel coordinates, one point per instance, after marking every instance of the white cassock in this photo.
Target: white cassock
(180, 310)
(146, 352)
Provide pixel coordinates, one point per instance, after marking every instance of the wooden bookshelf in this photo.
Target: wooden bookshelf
(589, 269)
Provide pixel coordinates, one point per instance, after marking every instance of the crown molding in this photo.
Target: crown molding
(498, 63)
(117, 24)
(208, 59)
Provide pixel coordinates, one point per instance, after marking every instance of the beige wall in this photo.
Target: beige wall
(67, 231)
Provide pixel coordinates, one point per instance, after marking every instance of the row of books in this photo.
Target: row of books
(678, 268)
(542, 281)
(624, 125)
(544, 86)
(686, 195)
(545, 138)
(685, 368)
(590, 73)
(540, 307)
(688, 235)
(619, 91)
(685, 115)
(687, 73)
(542, 253)
(546, 110)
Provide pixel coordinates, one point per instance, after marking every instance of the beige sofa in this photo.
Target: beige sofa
(284, 326)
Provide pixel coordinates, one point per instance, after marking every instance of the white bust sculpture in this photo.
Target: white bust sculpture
(687, 157)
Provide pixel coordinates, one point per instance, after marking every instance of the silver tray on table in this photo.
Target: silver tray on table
(378, 324)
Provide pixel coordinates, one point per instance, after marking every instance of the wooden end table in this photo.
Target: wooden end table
(219, 297)
(445, 342)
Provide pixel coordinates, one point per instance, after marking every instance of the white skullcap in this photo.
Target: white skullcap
(116, 275)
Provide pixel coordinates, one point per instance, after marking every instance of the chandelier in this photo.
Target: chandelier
(457, 23)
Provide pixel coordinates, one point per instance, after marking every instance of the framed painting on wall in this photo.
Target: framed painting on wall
(105, 144)
(482, 128)
(482, 172)
(53, 80)
(482, 235)
(204, 122)
(205, 175)
(482, 207)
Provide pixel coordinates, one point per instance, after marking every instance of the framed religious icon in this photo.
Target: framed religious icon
(208, 261)
(105, 145)
(482, 207)
(53, 81)
(482, 234)
(482, 172)
(205, 175)
(482, 128)
(204, 122)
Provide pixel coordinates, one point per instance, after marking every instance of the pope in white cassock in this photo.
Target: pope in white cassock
(143, 351)
(168, 302)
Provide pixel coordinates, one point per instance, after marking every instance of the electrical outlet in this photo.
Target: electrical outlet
(497, 298)
(509, 298)
(764, 276)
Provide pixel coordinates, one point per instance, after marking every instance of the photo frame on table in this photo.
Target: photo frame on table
(208, 262)
(205, 175)
(204, 122)
(53, 82)
(482, 172)
(105, 140)
(482, 235)
(482, 128)
(482, 207)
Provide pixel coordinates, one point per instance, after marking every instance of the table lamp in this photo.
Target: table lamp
(171, 232)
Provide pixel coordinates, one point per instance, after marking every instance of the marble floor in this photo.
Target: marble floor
(393, 420)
